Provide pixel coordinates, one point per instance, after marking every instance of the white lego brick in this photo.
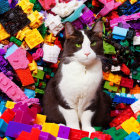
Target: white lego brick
(51, 53)
(136, 40)
(113, 68)
(135, 106)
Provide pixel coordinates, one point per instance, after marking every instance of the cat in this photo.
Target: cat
(74, 96)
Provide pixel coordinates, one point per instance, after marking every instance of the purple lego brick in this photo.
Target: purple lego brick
(135, 24)
(37, 126)
(77, 24)
(46, 136)
(14, 129)
(64, 132)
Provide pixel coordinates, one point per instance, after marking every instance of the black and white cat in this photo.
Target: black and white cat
(74, 96)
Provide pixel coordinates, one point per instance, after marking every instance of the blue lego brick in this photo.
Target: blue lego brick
(119, 33)
(132, 136)
(11, 50)
(29, 93)
(126, 100)
(2, 108)
(3, 127)
(4, 6)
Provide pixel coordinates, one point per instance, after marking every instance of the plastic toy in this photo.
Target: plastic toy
(3, 127)
(15, 40)
(4, 6)
(47, 4)
(4, 34)
(132, 135)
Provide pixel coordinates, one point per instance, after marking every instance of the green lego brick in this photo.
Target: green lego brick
(95, 139)
(47, 70)
(52, 74)
(119, 134)
(124, 43)
(42, 29)
(37, 83)
(136, 75)
(39, 75)
(86, 138)
(37, 6)
(107, 86)
(40, 91)
(43, 84)
(33, 1)
(138, 118)
(108, 48)
(97, 128)
(15, 40)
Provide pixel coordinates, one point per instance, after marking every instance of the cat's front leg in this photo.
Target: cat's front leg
(86, 121)
(71, 117)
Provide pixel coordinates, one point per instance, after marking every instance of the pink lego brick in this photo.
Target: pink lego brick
(18, 59)
(47, 4)
(109, 5)
(11, 89)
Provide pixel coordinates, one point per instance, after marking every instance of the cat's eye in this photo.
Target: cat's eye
(78, 45)
(93, 44)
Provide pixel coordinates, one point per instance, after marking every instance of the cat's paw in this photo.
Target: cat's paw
(89, 129)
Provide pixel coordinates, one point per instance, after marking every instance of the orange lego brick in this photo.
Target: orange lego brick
(3, 33)
(33, 38)
(25, 76)
(135, 90)
(49, 39)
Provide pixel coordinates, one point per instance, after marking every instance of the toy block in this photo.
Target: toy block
(40, 119)
(136, 40)
(51, 53)
(47, 4)
(26, 6)
(46, 136)
(133, 1)
(18, 59)
(125, 82)
(135, 106)
(36, 19)
(115, 68)
(136, 75)
(15, 40)
(108, 48)
(4, 6)
(29, 93)
(38, 54)
(40, 91)
(51, 128)
(33, 38)
(2, 108)
(22, 33)
(131, 136)
(64, 132)
(10, 18)
(11, 50)
(77, 134)
(35, 132)
(15, 128)
(112, 88)
(10, 104)
(25, 76)
(11, 89)
(8, 115)
(39, 75)
(33, 67)
(131, 125)
(135, 90)
(24, 136)
(125, 69)
(3, 127)
(4, 34)
(119, 33)
(49, 39)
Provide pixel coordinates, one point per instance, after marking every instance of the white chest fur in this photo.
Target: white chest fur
(79, 85)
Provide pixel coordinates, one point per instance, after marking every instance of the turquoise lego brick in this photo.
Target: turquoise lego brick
(29, 93)
(3, 127)
(2, 108)
(11, 50)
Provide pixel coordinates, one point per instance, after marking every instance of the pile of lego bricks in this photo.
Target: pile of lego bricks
(31, 39)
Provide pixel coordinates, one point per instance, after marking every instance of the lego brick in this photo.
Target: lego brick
(135, 90)
(40, 91)
(125, 82)
(108, 48)
(39, 75)
(25, 76)
(131, 136)
(4, 6)
(136, 40)
(51, 128)
(33, 38)
(107, 86)
(135, 106)
(29, 93)
(10, 104)
(40, 119)
(47, 4)
(46, 136)
(51, 53)
(64, 132)
(131, 125)
(100, 135)
(18, 59)
(3, 33)
(14, 129)
(3, 127)
(14, 20)
(38, 54)
(11, 89)
(15, 40)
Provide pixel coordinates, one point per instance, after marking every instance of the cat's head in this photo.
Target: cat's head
(83, 45)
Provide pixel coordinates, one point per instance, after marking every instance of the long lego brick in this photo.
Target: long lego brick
(11, 89)
(14, 129)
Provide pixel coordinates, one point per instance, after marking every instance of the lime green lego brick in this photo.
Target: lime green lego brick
(108, 48)
(107, 86)
(39, 75)
(40, 91)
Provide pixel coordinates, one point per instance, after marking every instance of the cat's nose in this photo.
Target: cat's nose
(87, 54)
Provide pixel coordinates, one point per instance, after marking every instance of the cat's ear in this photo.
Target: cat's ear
(69, 30)
(98, 28)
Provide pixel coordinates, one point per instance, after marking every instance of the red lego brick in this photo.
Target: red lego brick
(24, 136)
(29, 57)
(125, 69)
(8, 115)
(126, 82)
(35, 132)
(25, 76)
(77, 134)
(100, 135)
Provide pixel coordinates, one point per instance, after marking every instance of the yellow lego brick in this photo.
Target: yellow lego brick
(22, 33)
(36, 19)
(133, 1)
(122, 1)
(40, 119)
(33, 38)
(10, 104)
(26, 6)
(49, 39)
(131, 125)
(3, 33)
(4, 138)
(51, 128)
(33, 67)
